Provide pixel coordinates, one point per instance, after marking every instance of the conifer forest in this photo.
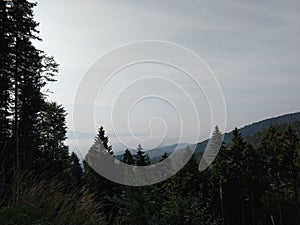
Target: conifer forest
(254, 179)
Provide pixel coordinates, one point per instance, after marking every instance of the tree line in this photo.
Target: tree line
(36, 167)
(245, 185)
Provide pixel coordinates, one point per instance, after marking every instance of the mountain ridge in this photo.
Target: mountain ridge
(246, 131)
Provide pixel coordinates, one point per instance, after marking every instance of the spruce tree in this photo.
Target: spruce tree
(97, 155)
(166, 167)
(104, 140)
(289, 159)
(236, 179)
(128, 158)
(164, 156)
(5, 83)
(51, 125)
(218, 169)
(141, 158)
(272, 146)
(75, 170)
(24, 71)
(7, 155)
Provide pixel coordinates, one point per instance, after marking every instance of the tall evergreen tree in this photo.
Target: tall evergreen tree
(289, 159)
(164, 156)
(218, 169)
(103, 188)
(7, 156)
(95, 156)
(75, 170)
(141, 158)
(26, 76)
(272, 146)
(236, 178)
(166, 168)
(128, 158)
(51, 126)
(104, 140)
(24, 72)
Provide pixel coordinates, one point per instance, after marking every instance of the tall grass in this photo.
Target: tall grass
(36, 199)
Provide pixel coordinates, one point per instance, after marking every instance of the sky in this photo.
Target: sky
(252, 47)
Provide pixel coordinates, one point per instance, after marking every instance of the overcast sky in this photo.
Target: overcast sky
(252, 47)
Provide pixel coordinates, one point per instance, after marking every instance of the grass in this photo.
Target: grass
(32, 199)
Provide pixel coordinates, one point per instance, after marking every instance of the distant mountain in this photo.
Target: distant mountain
(71, 134)
(264, 124)
(168, 149)
(254, 129)
(246, 131)
(158, 152)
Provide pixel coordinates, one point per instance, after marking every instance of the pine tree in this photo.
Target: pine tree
(75, 170)
(218, 168)
(100, 154)
(188, 180)
(289, 159)
(216, 141)
(164, 156)
(24, 71)
(141, 158)
(236, 178)
(166, 167)
(26, 67)
(97, 157)
(271, 146)
(128, 158)
(104, 140)
(7, 156)
(51, 125)
(5, 84)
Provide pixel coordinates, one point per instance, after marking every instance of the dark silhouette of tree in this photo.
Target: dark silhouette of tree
(25, 70)
(163, 157)
(97, 156)
(141, 158)
(128, 158)
(236, 178)
(289, 159)
(51, 127)
(7, 154)
(272, 146)
(75, 170)
(5, 85)
(104, 140)
(166, 168)
(218, 170)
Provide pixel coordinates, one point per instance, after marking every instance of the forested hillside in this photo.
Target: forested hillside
(253, 132)
(260, 126)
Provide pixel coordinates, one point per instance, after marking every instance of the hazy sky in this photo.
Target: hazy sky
(252, 46)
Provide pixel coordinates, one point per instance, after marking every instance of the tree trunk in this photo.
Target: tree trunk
(295, 187)
(221, 200)
(278, 199)
(242, 209)
(252, 209)
(280, 214)
(16, 115)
